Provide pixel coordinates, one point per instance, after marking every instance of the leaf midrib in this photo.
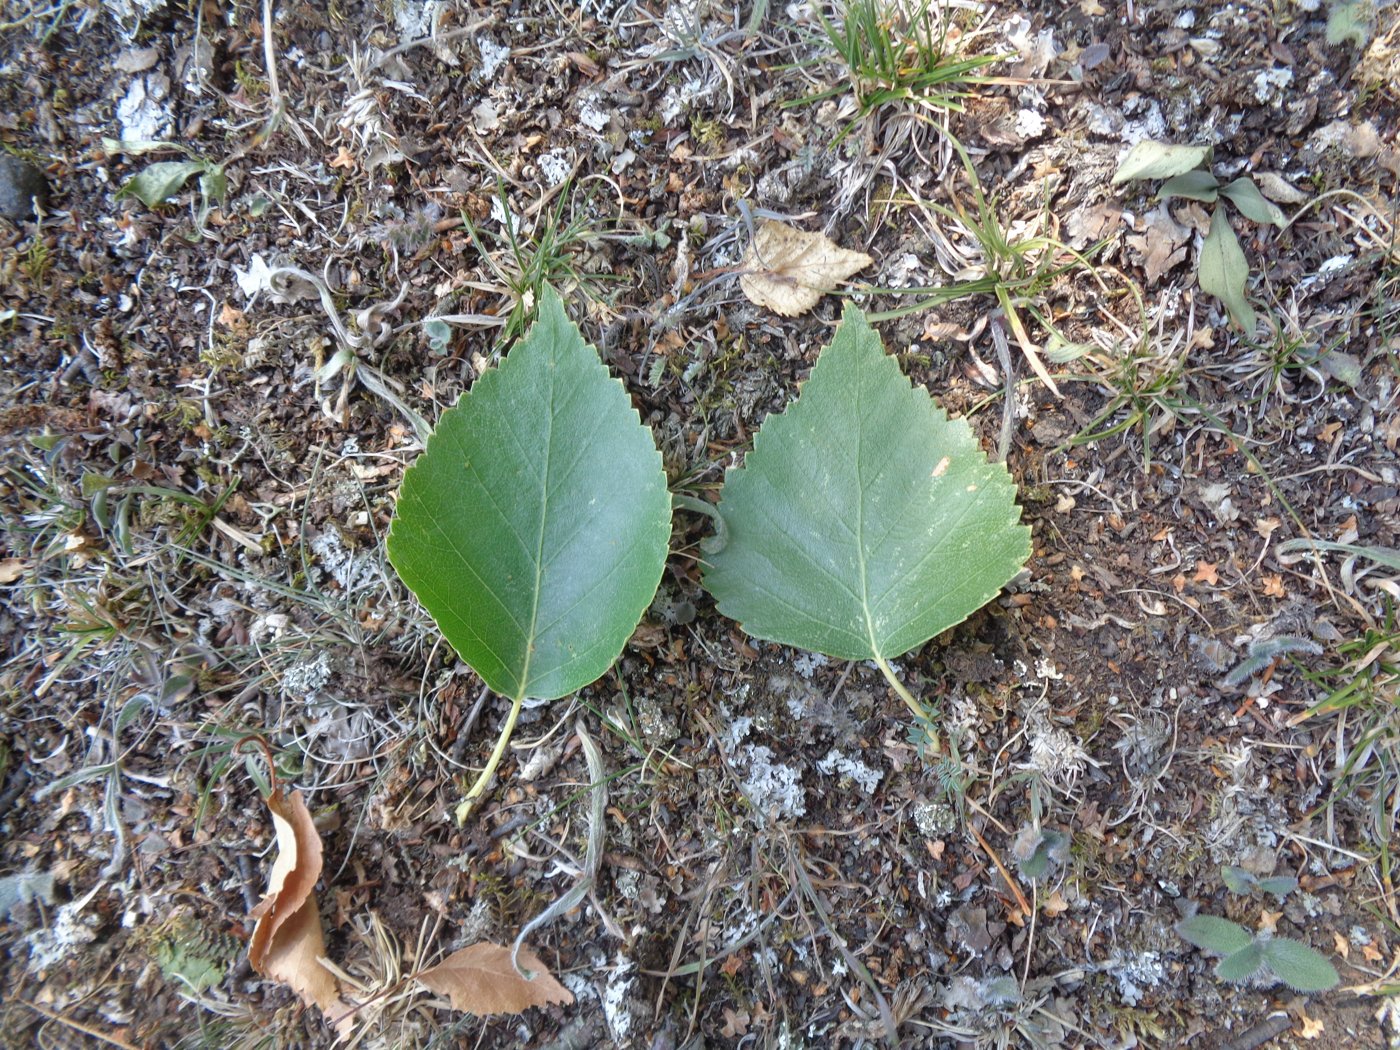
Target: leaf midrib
(860, 522)
(539, 543)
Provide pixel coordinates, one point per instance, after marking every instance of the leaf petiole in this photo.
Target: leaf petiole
(465, 807)
(920, 712)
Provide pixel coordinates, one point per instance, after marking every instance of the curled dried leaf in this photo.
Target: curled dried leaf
(293, 957)
(788, 270)
(480, 980)
(287, 942)
(294, 872)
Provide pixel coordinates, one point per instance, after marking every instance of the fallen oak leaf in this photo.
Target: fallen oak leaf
(480, 980)
(788, 270)
(287, 942)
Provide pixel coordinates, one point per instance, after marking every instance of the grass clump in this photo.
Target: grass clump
(525, 263)
(1363, 692)
(899, 55)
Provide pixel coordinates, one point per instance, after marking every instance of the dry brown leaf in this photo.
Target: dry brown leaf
(1092, 222)
(287, 941)
(11, 569)
(788, 270)
(1162, 243)
(292, 957)
(1311, 1027)
(294, 872)
(1278, 189)
(735, 1023)
(480, 980)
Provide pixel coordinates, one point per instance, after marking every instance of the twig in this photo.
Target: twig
(593, 859)
(78, 1026)
(274, 90)
(1273, 1025)
(1008, 408)
(1021, 901)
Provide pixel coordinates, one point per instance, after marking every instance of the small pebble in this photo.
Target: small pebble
(20, 183)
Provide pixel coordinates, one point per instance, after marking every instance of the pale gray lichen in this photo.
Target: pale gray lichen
(493, 56)
(658, 725)
(144, 112)
(69, 931)
(775, 790)
(555, 167)
(617, 1001)
(307, 676)
(935, 819)
(1134, 974)
(865, 778)
(348, 568)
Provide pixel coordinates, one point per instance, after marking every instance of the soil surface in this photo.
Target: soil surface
(200, 451)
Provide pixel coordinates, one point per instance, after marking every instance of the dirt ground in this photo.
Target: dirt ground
(194, 511)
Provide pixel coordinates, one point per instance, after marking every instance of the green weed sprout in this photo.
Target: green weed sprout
(1185, 170)
(1246, 956)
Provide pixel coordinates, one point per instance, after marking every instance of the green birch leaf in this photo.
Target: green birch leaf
(1193, 185)
(1246, 197)
(1216, 935)
(1223, 270)
(1158, 160)
(864, 521)
(1241, 965)
(1299, 966)
(160, 181)
(535, 526)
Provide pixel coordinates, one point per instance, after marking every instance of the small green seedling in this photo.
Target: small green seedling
(1036, 850)
(534, 527)
(864, 521)
(162, 179)
(1246, 883)
(897, 56)
(1222, 270)
(1262, 653)
(1245, 956)
(530, 262)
